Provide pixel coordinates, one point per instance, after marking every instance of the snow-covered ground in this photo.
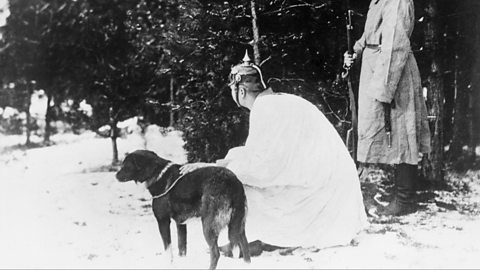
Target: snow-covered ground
(60, 208)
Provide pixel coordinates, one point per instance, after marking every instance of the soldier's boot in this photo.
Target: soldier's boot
(402, 203)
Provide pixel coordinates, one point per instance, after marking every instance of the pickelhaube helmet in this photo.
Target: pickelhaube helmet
(246, 69)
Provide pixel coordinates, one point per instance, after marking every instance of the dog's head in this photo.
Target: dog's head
(140, 166)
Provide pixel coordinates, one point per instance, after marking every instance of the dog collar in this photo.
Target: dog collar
(154, 180)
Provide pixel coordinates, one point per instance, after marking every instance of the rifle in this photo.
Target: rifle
(351, 140)
(387, 110)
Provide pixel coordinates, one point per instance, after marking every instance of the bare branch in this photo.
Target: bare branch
(265, 60)
(295, 6)
(5, 47)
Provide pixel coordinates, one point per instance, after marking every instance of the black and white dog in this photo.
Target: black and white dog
(212, 193)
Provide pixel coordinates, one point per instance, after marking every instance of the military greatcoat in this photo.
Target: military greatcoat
(390, 74)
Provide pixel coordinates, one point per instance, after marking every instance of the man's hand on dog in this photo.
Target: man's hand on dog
(222, 162)
(190, 167)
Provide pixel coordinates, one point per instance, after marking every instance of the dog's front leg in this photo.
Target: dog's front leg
(182, 239)
(164, 226)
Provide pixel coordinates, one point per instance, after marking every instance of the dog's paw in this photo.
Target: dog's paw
(167, 255)
(226, 251)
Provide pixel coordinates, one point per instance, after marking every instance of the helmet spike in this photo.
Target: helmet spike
(246, 59)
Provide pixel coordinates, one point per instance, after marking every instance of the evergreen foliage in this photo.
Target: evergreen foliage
(170, 59)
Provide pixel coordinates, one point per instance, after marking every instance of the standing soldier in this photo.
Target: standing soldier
(392, 116)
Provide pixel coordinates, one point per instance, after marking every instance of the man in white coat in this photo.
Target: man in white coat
(301, 184)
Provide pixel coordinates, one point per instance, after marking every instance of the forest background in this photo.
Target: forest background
(166, 62)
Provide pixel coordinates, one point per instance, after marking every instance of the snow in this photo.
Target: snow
(60, 208)
(38, 103)
(4, 12)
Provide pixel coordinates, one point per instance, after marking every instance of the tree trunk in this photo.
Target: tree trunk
(435, 95)
(48, 118)
(473, 116)
(113, 137)
(461, 105)
(256, 36)
(172, 100)
(28, 125)
(466, 40)
(471, 128)
(114, 132)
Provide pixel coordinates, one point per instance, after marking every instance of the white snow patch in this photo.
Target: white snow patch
(56, 211)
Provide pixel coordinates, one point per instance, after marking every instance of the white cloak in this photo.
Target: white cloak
(301, 184)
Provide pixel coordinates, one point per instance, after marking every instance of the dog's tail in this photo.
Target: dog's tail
(236, 227)
(239, 214)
